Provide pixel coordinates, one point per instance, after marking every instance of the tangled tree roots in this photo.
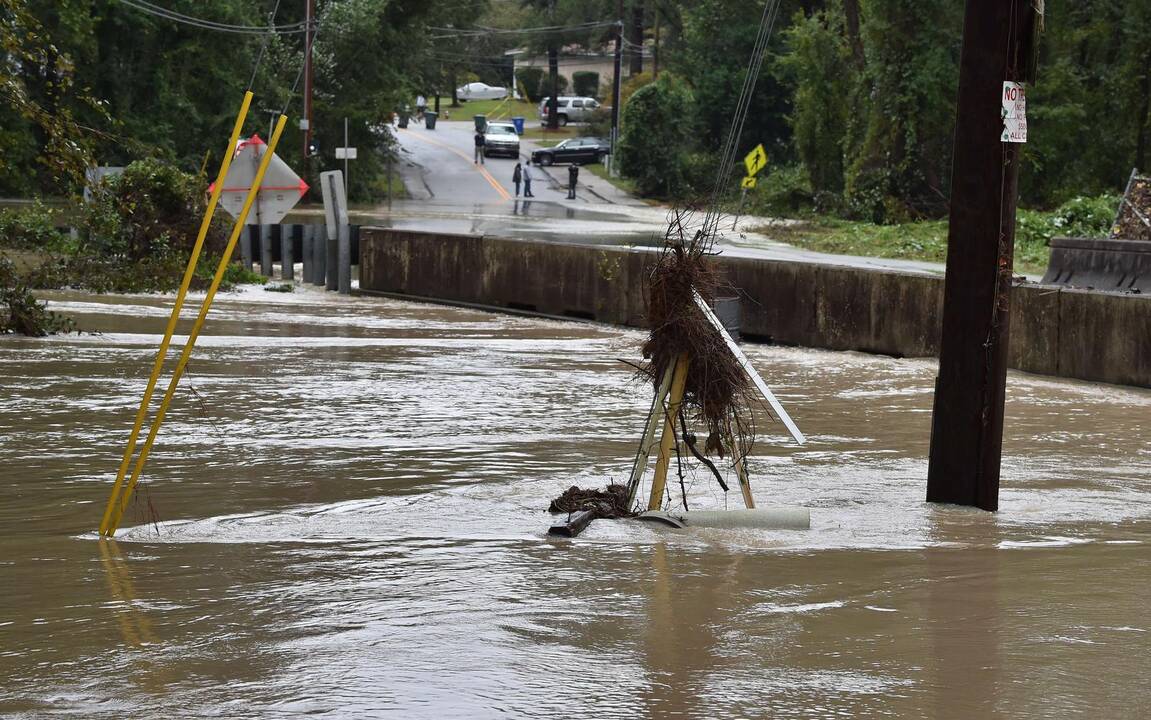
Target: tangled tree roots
(718, 391)
(1136, 207)
(608, 503)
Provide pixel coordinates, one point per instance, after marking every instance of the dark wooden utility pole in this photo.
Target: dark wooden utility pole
(616, 80)
(636, 32)
(967, 424)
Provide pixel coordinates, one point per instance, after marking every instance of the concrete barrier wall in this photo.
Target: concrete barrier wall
(1082, 334)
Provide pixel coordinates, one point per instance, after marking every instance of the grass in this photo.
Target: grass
(924, 240)
(495, 109)
(601, 172)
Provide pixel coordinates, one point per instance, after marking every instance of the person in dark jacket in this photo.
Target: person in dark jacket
(573, 178)
(517, 176)
(479, 148)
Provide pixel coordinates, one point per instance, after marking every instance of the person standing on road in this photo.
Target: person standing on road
(421, 107)
(479, 148)
(573, 178)
(517, 176)
(527, 174)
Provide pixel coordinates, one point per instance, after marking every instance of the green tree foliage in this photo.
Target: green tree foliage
(531, 79)
(903, 166)
(585, 83)
(819, 67)
(656, 137)
(43, 141)
(716, 45)
(150, 210)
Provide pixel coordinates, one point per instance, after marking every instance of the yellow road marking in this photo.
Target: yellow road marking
(482, 170)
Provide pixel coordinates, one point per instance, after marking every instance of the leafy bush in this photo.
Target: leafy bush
(783, 191)
(546, 86)
(21, 312)
(586, 83)
(654, 137)
(149, 211)
(633, 83)
(30, 228)
(530, 79)
(1088, 217)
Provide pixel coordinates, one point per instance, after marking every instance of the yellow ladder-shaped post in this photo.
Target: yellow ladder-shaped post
(174, 318)
(667, 440)
(221, 268)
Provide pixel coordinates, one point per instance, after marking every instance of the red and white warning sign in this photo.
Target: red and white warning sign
(1014, 113)
(281, 189)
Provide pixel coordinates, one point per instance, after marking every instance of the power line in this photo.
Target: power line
(161, 12)
(480, 32)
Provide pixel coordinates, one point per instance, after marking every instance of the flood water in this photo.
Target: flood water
(349, 495)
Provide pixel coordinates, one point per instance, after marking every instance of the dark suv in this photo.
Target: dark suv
(578, 151)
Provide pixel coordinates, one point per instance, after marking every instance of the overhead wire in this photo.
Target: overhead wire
(159, 11)
(727, 158)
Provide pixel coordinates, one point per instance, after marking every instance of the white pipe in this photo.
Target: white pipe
(775, 518)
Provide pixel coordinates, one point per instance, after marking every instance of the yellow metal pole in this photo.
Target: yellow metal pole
(187, 352)
(667, 440)
(162, 353)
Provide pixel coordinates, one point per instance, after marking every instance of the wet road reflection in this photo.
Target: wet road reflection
(350, 523)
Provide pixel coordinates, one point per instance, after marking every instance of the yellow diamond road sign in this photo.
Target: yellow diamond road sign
(756, 160)
(747, 182)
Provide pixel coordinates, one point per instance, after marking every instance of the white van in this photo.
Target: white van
(570, 109)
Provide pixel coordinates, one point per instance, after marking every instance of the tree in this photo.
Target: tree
(654, 143)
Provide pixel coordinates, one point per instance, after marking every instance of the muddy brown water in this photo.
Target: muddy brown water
(350, 525)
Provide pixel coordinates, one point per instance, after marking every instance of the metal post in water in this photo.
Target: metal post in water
(246, 246)
(319, 255)
(306, 251)
(287, 237)
(332, 261)
(345, 259)
(266, 251)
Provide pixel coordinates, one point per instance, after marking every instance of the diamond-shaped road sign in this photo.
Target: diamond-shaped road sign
(755, 160)
(281, 189)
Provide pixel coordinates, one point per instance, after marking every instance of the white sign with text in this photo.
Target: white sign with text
(1014, 112)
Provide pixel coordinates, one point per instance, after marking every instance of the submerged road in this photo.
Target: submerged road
(344, 516)
(451, 193)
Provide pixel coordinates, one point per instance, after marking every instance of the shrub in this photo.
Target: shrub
(30, 228)
(633, 83)
(1088, 217)
(21, 312)
(585, 82)
(150, 210)
(546, 86)
(530, 80)
(655, 137)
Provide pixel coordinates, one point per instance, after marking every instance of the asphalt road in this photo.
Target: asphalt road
(450, 192)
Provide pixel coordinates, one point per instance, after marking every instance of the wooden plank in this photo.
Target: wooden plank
(654, 416)
(679, 379)
(760, 385)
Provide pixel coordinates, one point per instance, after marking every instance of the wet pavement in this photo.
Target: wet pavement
(344, 516)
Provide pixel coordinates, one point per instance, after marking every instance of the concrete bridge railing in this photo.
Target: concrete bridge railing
(1058, 331)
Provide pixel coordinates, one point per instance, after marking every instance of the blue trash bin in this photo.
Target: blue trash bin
(519, 123)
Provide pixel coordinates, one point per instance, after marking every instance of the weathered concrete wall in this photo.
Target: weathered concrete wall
(1057, 331)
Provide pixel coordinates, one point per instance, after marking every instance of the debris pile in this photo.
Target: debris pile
(1133, 221)
(610, 503)
(717, 392)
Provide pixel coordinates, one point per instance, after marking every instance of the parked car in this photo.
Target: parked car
(569, 109)
(500, 138)
(578, 151)
(480, 91)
